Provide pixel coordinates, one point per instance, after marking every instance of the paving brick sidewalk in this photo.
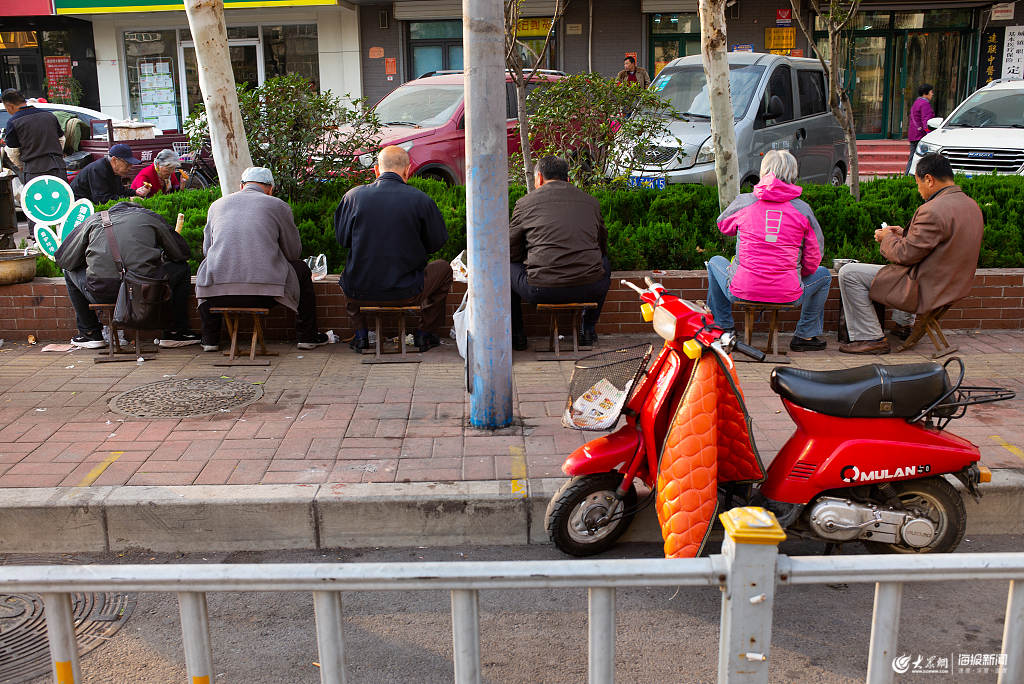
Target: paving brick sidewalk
(326, 417)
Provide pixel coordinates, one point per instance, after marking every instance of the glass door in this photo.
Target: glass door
(866, 81)
(934, 57)
(672, 36)
(23, 71)
(246, 65)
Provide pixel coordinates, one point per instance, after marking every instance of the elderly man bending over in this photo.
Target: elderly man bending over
(390, 229)
(778, 253)
(252, 250)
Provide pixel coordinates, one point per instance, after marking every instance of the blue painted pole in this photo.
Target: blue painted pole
(490, 342)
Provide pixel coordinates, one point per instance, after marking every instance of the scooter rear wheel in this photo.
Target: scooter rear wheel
(576, 507)
(940, 502)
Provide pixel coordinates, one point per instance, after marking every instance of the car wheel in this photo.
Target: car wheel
(437, 176)
(838, 177)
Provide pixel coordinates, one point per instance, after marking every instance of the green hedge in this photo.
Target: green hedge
(668, 229)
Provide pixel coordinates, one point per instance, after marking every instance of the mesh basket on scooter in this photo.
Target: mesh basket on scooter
(600, 387)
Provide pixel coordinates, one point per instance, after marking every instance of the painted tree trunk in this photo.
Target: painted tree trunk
(217, 83)
(716, 68)
(524, 132)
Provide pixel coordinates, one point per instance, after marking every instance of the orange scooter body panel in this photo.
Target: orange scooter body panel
(709, 436)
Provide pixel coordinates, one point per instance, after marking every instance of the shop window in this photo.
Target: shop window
(233, 32)
(152, 71)
(17, 40)
(865, 21)
(435, 30)
(292, 50)
(812, 92)
(945, 18)
(675, 23)
(435, 46)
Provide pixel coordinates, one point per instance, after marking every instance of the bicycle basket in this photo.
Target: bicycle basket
(183, 150)
(600, 386)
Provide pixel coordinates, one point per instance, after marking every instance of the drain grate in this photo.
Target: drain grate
(188, 398)
(24, 649)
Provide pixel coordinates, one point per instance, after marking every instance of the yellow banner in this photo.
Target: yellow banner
(533, 27)
(779, 38)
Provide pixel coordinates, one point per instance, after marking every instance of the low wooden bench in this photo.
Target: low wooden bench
(232, 316)
(929, 323)
(750, 309)
(378, 313)
(114, 343)
(576, 309)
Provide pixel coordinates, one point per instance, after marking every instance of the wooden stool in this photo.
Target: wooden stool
(772, 348)
(114, 347)
(231, 318)
(930, 324)
(378, 312)
(576, 309)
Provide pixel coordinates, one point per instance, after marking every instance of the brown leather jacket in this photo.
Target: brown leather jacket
(642, 78)
(934, 260)
(557, 231)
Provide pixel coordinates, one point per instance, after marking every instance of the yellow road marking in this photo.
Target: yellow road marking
(518, 454)
(1016, 451)
(95, 473)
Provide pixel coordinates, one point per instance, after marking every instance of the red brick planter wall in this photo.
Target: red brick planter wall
(42, 307)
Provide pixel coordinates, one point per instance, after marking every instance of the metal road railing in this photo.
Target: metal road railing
(747, 572)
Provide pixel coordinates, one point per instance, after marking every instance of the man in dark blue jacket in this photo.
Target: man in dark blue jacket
(390, 229)
(100, 181)
(35, 137)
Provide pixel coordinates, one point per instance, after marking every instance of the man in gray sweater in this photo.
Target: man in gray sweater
(252, 250)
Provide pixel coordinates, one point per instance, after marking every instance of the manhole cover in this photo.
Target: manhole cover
(186, 398)
(24, 649)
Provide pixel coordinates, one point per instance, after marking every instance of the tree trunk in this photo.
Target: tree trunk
(716, 68)
(524, 131)
(217, 83)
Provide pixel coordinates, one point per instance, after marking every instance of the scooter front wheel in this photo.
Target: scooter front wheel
(940, 502)
(574, 512)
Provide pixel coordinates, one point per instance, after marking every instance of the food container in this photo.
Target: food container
(15, 267)
(839, 263)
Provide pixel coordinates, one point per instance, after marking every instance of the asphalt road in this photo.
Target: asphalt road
(665, 635)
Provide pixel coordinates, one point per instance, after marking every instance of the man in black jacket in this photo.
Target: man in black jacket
(390, 229)
(34, 137)
(101, 181)
(148, 246)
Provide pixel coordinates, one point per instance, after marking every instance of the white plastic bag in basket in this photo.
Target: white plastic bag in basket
(598, 408)
(460, 273)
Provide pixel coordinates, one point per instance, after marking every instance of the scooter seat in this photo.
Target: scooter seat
(875, 391)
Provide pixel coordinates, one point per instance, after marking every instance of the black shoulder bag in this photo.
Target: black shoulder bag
(143, 303)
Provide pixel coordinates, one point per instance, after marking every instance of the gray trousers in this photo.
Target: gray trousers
(861, 319)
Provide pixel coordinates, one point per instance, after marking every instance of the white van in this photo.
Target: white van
(984, 134)
(778, 103)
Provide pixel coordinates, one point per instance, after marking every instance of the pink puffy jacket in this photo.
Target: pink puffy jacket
(778, 242)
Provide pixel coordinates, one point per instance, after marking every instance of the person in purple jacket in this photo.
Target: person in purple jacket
(920, 113)
(779, 246)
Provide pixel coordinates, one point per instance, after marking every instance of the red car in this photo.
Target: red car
(425, 117)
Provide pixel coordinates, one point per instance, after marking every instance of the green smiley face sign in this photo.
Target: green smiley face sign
(47, 200)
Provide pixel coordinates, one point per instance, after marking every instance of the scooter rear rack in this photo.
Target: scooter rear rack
(943, 410)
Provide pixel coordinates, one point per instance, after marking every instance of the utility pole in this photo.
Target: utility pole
(217, 83)
(489, 357)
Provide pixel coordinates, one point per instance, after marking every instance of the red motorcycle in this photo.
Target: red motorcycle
(866, 462)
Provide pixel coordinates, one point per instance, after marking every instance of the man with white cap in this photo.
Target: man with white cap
(253, 252)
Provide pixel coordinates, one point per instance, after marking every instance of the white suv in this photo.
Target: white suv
(984, 134)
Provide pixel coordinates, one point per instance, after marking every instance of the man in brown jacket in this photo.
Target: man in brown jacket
(631, 73)
(559, 249)
(933, 260)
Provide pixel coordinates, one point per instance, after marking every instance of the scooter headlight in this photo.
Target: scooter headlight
(665, 323)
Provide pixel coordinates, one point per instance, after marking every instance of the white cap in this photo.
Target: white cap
(258, 174)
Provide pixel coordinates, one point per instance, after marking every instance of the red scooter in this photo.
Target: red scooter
(866, 462)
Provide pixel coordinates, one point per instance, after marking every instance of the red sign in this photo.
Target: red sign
(799, 52)
(784, 15)
(57, 68)
(25, 8)
(631, 54)
(390, 65)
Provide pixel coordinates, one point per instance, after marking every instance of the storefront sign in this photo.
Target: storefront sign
(390, 65)
(784, 17)
(24, 8)
(1003, 12)
(57, 68)
(990, 65)
(1013, 52)
(376, 52)
(743, 48)
(779, 38)
(533, 27)
(113, 6)
(574, 29)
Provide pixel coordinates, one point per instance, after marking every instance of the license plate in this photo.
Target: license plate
(647, 182)
(968, 174)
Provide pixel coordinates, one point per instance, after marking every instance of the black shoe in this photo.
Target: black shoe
(588, 338)
(426, 342)
(901, 331)
(798, 344)
(359, 344)
(180, 339)
(93, 341)
(520, 342)
(318, 341)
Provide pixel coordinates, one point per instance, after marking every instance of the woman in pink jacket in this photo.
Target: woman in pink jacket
(779, 246)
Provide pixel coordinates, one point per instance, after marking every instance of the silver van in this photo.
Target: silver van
(778, 103)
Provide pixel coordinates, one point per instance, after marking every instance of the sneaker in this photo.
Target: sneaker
(901, 331)
(588, 338)
(799, 344)
(318, 341)
(180, 339)
(211, 347)
(94, 341)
